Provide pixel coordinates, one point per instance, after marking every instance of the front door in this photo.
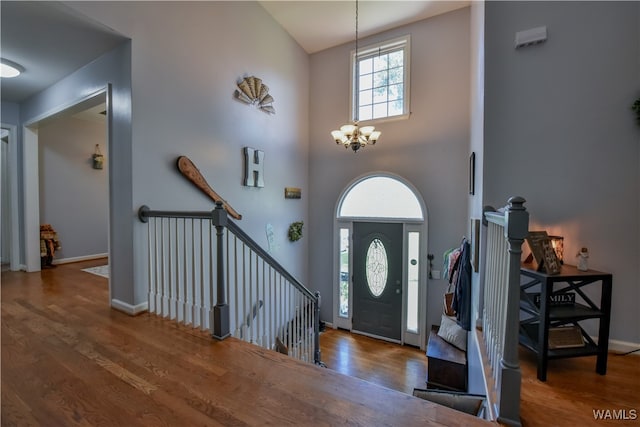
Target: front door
(377, 279)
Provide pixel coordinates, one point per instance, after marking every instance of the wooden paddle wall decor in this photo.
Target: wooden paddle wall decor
(192, 173)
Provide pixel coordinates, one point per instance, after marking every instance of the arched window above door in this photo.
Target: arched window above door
(380, 197)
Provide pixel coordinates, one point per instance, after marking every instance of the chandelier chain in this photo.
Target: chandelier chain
(351, 135)
(356, 113)
(356, 30)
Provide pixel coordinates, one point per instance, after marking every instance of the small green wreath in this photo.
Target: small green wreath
(295, 231)
(636, 107)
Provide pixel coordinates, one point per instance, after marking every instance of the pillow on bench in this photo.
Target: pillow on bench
(452, 333)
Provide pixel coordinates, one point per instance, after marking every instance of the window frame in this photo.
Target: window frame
(399, 43)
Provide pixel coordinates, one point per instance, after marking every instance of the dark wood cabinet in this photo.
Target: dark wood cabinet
(446, 365)
(537, 319)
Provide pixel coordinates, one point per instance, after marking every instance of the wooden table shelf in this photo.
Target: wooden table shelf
(535, 321)
(529, 339)
(577, 312)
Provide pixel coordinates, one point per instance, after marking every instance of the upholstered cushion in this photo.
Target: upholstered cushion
(452, 333)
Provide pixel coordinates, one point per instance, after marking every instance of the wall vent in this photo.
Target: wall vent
(531, 37)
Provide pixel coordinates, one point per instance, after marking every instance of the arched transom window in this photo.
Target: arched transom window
(380, 197)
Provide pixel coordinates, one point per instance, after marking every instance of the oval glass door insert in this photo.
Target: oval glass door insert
(377, 267)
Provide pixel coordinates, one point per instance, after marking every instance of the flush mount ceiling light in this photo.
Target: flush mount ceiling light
(351, 135)
(9, 69)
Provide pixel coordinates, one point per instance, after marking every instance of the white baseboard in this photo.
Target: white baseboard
(624, 347)
(132, 310)
(618, 346)
(79, 258)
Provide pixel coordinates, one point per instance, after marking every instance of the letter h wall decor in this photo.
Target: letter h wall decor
(253, 167)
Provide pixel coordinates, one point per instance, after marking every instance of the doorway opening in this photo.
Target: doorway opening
(380, 276)
(38, 182)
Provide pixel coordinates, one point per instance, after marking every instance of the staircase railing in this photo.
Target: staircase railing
(500, 307)
(226, 283)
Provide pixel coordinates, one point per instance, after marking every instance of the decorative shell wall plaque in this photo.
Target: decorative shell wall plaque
(252, 91)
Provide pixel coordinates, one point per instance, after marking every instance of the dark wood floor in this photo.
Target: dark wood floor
(383, 363)
(572, 392)
(68, 359)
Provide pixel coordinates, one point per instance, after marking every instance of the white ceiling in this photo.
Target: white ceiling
(94, 114)
(51, 40)
(319, 25)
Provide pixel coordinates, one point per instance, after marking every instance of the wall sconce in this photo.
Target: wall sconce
(558, 246)
(98, 158)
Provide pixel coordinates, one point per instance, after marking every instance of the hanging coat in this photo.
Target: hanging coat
(462, 298)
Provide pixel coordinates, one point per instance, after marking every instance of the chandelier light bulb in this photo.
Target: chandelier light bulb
(351, 136)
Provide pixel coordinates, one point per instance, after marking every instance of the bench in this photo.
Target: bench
(446, 364)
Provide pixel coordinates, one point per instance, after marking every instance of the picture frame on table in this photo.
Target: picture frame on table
(542, 253)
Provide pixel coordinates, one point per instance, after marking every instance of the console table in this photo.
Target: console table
(537, 319)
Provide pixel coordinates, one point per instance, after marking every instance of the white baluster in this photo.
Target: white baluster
(150, 260)
(265, 340)
(201, 300)
(193, 273)
(235, 269)
(212, 279)
(184, 271)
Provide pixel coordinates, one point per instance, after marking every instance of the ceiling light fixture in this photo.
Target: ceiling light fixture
(351, 135)
(9, 69)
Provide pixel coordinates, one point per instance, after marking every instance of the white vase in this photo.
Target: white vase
(583, 255)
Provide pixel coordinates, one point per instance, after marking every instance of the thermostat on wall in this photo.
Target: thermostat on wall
(531, 37)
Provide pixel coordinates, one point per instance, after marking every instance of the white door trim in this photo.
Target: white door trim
(419, 338)
(31, 176)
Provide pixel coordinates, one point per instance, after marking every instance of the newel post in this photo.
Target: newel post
(516, 229)
(219, 323)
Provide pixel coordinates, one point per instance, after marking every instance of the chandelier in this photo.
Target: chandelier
(351, 135)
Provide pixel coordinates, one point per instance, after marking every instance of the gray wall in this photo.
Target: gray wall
(10, 113)
(559, 131)
(430, 149)
(188, 58)
(74, 196)
(476, 141)
(476, 381)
